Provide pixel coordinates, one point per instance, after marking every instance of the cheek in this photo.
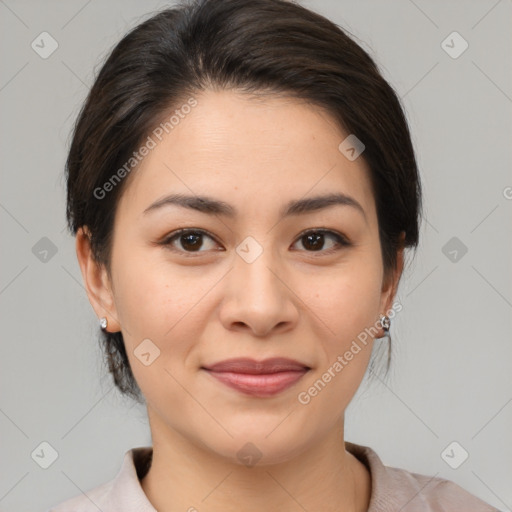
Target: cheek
(151, 295)
(347, 305)
(156, 306)
(162, 303)
(348, 300)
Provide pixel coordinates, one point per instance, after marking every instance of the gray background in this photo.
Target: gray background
(451, 376)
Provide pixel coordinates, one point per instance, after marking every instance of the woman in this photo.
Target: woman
(242, 186)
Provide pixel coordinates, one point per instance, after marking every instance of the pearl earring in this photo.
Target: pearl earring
(103, 323)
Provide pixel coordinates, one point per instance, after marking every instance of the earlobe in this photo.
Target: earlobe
(96, 281)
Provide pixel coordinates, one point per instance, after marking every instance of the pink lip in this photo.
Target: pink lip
(258, 378)
(247, 365)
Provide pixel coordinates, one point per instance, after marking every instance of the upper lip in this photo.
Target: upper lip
(251, 366)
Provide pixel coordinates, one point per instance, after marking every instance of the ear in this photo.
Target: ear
(96, 280)
(391, 281)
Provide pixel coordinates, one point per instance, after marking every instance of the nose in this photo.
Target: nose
(257, 297)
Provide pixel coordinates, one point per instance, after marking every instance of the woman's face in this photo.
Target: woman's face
(252, 283)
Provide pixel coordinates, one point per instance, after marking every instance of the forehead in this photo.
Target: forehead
(258, 153)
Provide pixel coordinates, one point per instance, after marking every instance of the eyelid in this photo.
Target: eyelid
(166, 240)
(325, 231)
(341, 240)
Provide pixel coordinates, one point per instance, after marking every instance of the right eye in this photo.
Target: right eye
(190, 239)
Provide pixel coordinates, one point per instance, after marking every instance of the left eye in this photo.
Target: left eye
(316, 239)
(191, 240)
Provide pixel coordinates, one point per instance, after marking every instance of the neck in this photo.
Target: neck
(187, 476)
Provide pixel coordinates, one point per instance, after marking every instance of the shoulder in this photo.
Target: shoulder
(398, 489)
(87, 502)
(124, 492)
(417, 492)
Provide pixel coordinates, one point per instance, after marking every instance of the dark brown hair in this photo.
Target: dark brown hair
(252, 46)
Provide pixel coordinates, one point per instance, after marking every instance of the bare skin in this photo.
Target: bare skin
(206, 305)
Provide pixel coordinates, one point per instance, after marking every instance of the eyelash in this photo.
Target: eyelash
(167, 241)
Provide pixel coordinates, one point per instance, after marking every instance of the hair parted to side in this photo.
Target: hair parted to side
(251, 46)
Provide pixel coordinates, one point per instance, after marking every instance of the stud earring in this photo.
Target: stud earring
(385, 323)
(103, 323)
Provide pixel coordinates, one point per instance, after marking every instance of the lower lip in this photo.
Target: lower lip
(261, 385)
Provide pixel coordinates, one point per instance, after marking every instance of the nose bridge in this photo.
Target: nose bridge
(255, 266)
(256, 296)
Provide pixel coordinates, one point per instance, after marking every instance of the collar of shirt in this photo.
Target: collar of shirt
(392, 488)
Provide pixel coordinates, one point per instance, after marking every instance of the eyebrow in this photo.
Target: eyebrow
(212, 206)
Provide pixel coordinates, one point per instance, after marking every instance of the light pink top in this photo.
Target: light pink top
(393, 489)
